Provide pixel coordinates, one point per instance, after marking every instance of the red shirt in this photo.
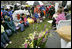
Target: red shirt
(18, 16)
(35, 9)
(1, 15)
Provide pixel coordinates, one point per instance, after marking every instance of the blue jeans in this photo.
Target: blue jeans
(2, 45)
(4, 38)
(9, 32)
(21, 26)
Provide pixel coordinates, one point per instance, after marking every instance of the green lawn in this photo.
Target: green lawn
(18, 39)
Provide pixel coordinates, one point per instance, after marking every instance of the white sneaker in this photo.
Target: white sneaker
(7, 45)
(40, 20)
(10, 42)
(4, 46)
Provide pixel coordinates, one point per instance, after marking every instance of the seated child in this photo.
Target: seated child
(6, 28)
(18, 24)
(61, 16)
(4, 38)
(24, 19)
(36, 15)
(11, 25)
(41, 14)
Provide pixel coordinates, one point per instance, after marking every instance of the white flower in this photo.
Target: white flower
(38, 47)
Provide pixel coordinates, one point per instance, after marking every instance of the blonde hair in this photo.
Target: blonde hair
(59, 11)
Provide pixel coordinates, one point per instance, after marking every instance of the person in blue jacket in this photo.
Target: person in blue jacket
(11, 25)
(10, 12)
(36, 15)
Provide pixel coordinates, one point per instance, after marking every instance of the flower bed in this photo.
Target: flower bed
(36, 40)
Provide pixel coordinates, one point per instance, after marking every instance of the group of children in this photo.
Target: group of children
(10, 26)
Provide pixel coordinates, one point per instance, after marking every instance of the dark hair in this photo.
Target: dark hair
(9, 18)
(66, 10)
(11, 7)
(22, 14)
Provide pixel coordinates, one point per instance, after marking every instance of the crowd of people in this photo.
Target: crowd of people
(10, 25)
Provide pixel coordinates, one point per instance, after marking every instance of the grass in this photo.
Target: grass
(18, 39)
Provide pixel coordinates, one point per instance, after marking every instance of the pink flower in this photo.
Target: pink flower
(44, 39)
(40, 35)
(26, 45)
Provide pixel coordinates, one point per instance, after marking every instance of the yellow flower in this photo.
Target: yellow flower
(30, 34)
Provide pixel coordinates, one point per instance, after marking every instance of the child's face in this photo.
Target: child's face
(23, 16)
(58, 13)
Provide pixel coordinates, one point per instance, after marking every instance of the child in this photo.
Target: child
(41, 14)
(36, 15)
(51, 11)
(6, 28)
(18, 24)
(24, 19)
(54, 19)
(11, 25)
(47, 9)
(4, 38)
(61, 16)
